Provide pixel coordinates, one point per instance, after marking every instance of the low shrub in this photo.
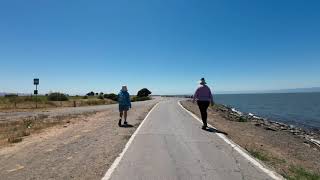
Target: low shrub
(243, 119)
(57, 97)
(137, 98)
(111, 96)
(10, 95)
(100, 97)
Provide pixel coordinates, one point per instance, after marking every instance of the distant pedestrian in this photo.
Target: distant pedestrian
(204, 97)
(124, 104)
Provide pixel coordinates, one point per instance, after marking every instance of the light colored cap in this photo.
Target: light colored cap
(124, 88)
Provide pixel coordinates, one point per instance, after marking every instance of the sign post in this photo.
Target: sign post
(35, 92)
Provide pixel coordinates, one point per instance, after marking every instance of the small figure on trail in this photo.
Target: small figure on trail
(124, 104)
(204, 97)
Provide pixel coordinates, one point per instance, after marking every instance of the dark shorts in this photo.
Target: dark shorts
(123, 108)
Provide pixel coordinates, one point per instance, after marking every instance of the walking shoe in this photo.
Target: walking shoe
(125, 123)
(204, 127)
(119, 123)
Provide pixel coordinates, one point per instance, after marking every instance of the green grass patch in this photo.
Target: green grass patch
(259, 155)
(299, 173)
(243, 119)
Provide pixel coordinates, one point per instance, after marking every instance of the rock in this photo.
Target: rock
(283, 128)
(271, 128)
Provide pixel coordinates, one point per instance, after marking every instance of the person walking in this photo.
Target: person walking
(124, 104)
(204, 97)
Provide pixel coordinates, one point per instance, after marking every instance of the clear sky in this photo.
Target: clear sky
(76, 46)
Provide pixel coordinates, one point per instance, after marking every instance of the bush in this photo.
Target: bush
(137, 98)
(10, 95)
(57, 97)
(144, 92)
(111, 96)
(100, 97)
(243, 119)
(90, 93)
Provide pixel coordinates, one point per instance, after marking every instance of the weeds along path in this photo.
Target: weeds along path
(10, 116)
(82, 149)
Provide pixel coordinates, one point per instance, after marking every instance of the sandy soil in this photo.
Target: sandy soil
(84, 148)
(281, 149)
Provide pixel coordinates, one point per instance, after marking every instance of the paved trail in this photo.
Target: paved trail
(171, 145)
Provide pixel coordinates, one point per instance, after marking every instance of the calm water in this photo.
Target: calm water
(299, 109)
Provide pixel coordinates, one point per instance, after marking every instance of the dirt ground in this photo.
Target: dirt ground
(279, 150)
(83, 148)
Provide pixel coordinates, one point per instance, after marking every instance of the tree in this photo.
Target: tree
(90, 93)
(144, 92)
(97, 94)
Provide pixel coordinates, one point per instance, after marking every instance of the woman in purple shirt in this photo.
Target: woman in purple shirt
(204, 97)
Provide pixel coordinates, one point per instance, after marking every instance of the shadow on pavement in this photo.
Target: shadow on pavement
(209, 129)
(127, 126)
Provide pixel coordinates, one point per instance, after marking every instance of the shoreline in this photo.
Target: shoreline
(311, 135)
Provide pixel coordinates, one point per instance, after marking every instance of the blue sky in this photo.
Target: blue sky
(76, 46)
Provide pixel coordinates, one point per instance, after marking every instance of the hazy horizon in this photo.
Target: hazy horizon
(296, 90)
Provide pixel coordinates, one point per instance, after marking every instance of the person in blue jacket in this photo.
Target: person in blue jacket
(124, 104)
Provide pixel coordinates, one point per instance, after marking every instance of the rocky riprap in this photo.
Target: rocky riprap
(310, 136)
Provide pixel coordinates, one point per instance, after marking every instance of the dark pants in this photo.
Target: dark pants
(203, 106)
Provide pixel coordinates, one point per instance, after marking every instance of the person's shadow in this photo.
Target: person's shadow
(213, 130)
(127, 126)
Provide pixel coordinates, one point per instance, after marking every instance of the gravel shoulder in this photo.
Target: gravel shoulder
(278, 149)
(82, 149)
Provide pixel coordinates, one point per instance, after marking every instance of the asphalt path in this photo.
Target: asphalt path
(170, 144)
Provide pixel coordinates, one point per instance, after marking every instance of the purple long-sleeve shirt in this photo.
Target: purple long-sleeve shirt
(203, 93)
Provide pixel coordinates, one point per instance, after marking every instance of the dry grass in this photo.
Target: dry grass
(15, 131)
(29, 103)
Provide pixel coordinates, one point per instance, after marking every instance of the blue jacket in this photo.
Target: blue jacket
(124, 99)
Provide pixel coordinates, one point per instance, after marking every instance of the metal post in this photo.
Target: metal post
(36, 97)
